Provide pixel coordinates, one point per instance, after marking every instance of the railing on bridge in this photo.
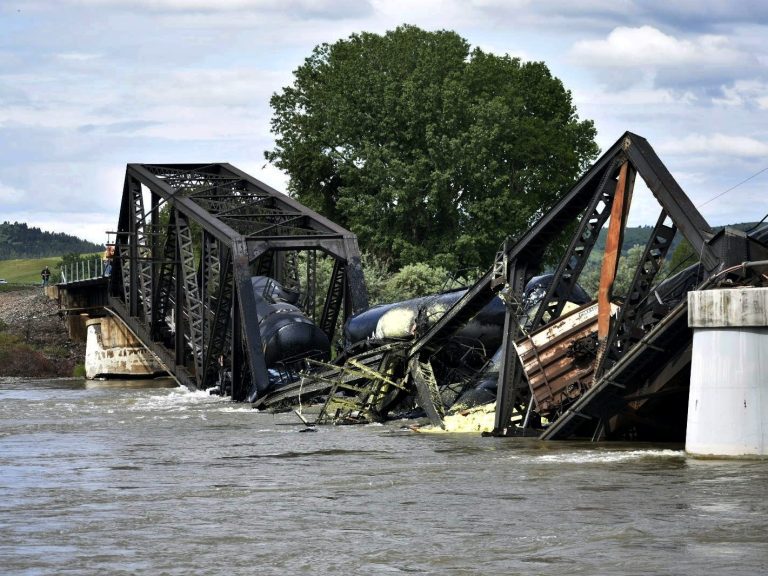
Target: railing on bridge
(88, 269)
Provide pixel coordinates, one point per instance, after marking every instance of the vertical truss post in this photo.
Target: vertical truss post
(141, 254)
(333, 300)
(208, 278)
(192, 304)
(156, 263)
(255, 362)
(219, 331)
(237, 357)
(310, 296)
(510, 371)
(178, 306)
(290, 274)
(132, 273)
(164, 281)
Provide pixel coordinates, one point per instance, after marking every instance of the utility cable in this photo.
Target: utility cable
(733, 187)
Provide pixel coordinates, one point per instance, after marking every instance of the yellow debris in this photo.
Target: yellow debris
(475, 420)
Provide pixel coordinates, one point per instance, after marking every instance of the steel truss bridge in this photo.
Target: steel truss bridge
(189, 239)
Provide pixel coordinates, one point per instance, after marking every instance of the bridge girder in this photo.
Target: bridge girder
(585, 208)
(182, 268)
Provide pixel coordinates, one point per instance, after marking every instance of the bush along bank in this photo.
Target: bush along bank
(33, 338)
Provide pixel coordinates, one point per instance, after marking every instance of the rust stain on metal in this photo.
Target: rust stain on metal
(559, 359)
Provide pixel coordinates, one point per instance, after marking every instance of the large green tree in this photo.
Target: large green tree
(427, 151)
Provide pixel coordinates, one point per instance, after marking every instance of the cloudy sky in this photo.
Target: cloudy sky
(87, 86)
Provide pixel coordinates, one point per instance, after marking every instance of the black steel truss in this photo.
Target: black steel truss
(183, 270)
(588, 203)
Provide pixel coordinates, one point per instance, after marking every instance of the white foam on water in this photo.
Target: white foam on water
(175, 400)
(607, 456)
(232, 407)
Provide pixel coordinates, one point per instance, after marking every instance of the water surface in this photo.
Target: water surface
(133, 478)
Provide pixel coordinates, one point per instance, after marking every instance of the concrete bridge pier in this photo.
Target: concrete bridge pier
(728, 401)
(113, 352)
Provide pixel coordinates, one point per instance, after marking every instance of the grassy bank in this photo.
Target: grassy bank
(27, 271)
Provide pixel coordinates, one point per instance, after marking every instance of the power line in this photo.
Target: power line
(732, 187)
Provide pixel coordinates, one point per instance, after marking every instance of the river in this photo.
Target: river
(135, 478)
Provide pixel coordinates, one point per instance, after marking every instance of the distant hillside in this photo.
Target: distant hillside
(638, 235)
(18, 240)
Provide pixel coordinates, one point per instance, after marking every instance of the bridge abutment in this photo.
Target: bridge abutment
(113, 352)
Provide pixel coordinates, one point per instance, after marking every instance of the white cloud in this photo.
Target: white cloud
(716, 144)
(648, 47)
(636, 96)
(77, 56)
(10, 196)
(98, 83)
(308, 8)
(209, 87)
(744, 93)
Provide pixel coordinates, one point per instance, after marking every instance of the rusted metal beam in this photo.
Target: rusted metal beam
(613, 243)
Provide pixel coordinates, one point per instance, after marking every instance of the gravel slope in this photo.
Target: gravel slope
(39, 344)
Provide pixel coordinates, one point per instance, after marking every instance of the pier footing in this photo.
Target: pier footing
(728, 400)
(113, 352)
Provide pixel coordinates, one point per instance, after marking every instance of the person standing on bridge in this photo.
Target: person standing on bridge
(108, 255)
(45, 275)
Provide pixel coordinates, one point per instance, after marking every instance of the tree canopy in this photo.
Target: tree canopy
(18, 240)
(428, 151)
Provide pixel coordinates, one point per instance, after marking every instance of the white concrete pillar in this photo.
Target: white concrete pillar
(112, 351)
(728, 401)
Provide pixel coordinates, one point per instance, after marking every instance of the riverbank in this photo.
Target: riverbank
(33, 337)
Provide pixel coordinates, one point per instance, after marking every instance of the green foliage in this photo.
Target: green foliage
(414, 280)
(682, 257)
(427, 151)
(19, 241)
(627, 265)
(20, 359)
(78, 371)
(70, 258)
(377, 274)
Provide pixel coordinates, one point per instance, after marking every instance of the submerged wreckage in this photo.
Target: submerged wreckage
(556, 363)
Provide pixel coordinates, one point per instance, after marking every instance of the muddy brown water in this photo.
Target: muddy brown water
(135, 478)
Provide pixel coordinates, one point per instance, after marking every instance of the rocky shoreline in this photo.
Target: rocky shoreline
(33, 336)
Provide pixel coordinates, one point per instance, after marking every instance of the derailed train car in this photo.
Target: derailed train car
(289, 338)
(466, 368)
(614, 368)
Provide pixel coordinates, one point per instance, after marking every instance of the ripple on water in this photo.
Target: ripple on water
(117, 480)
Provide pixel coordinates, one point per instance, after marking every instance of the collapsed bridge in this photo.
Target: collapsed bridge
(207, 258)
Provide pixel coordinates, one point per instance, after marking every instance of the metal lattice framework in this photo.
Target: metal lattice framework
(602, 194)
(183, 265)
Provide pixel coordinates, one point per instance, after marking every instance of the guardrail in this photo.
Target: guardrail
(81, 270)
